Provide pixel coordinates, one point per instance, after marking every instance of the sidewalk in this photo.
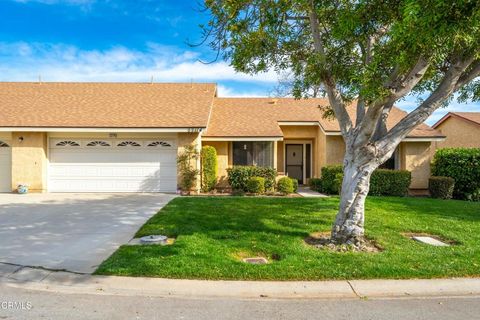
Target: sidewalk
(65, 282)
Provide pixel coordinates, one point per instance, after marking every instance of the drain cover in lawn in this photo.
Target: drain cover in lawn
(431, 241)
(256, 260)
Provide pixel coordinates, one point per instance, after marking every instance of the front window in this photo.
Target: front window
(253, 153)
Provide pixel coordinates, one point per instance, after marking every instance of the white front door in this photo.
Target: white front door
(5, 167)
(115, 165)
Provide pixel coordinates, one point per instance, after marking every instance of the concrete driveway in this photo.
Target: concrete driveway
(75, 232)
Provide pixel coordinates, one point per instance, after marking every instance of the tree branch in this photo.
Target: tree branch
(446, 87)
(334, 97)
(469, 75)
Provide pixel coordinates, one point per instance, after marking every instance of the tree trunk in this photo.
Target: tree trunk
(349, 223)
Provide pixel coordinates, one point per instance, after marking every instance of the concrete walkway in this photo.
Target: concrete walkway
(41, 279)
(306, 192)
(75, 232)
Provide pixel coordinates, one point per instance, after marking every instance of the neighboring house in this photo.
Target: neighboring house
(125, 137)
(462, 129)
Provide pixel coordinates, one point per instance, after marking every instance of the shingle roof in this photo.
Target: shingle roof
(119, 105)
(249, 117)
(468, 116)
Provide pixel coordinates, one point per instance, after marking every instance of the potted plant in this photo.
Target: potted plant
(22, 188)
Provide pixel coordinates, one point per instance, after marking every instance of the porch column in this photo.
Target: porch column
(275, 158)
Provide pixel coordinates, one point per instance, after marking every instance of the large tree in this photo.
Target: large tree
(373, 52)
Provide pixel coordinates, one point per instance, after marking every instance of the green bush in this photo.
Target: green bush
(256, 185)
(238, 176)
(209, 168)
(285, 185)
(315, 184)
(386, 182)
(329, 185)
(295, 184)
(441, 187)
(463, 165)
(337, 182)
(383, 182)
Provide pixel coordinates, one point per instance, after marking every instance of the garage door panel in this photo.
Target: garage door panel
(118, 169)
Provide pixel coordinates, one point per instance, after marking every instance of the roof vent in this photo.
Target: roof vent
(273, 101)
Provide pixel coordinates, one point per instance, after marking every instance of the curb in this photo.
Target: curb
(65, 282)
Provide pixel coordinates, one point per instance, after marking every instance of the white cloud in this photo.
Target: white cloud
(22, 61)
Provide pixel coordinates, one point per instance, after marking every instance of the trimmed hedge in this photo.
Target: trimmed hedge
(463, 165)
(329, 174)
(315, 184)
(285, 185)
(209, 168)
(238, 176)
(256, 185)
(383, 182)
(441, 187)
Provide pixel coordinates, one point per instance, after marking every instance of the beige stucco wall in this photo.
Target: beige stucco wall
(415, 157)
(460, 133)
(335, 150)
(29, 160)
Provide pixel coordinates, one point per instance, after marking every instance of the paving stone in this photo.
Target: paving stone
(29, 275)
(308, 193)
(7, 269)
(431, 241)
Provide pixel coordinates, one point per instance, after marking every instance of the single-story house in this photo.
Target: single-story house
(125, 137)
(462, 130)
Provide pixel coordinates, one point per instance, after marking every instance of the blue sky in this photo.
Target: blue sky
(122, 40)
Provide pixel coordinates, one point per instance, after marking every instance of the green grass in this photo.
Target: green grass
(213, 232)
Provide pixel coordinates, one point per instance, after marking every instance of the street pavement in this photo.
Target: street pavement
(54, 305)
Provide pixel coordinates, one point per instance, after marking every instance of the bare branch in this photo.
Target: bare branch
(360, 111)
(296, 18)
(401, 86)
(334, 97)
(468, 76)
(424, 110)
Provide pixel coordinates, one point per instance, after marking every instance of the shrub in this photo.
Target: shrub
(337, 182)
(256, 185)
(463, 165)
(441, 187)
(238, 176)
(329, 173)
(315, 184)
(295, 184)
(209, 168)
(386, 182)
(383, 182)
(185, 167)
(285, 185)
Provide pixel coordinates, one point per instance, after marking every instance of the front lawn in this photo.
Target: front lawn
(213, 234)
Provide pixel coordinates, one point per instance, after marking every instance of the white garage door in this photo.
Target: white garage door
(5, 167)
(97, 165)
